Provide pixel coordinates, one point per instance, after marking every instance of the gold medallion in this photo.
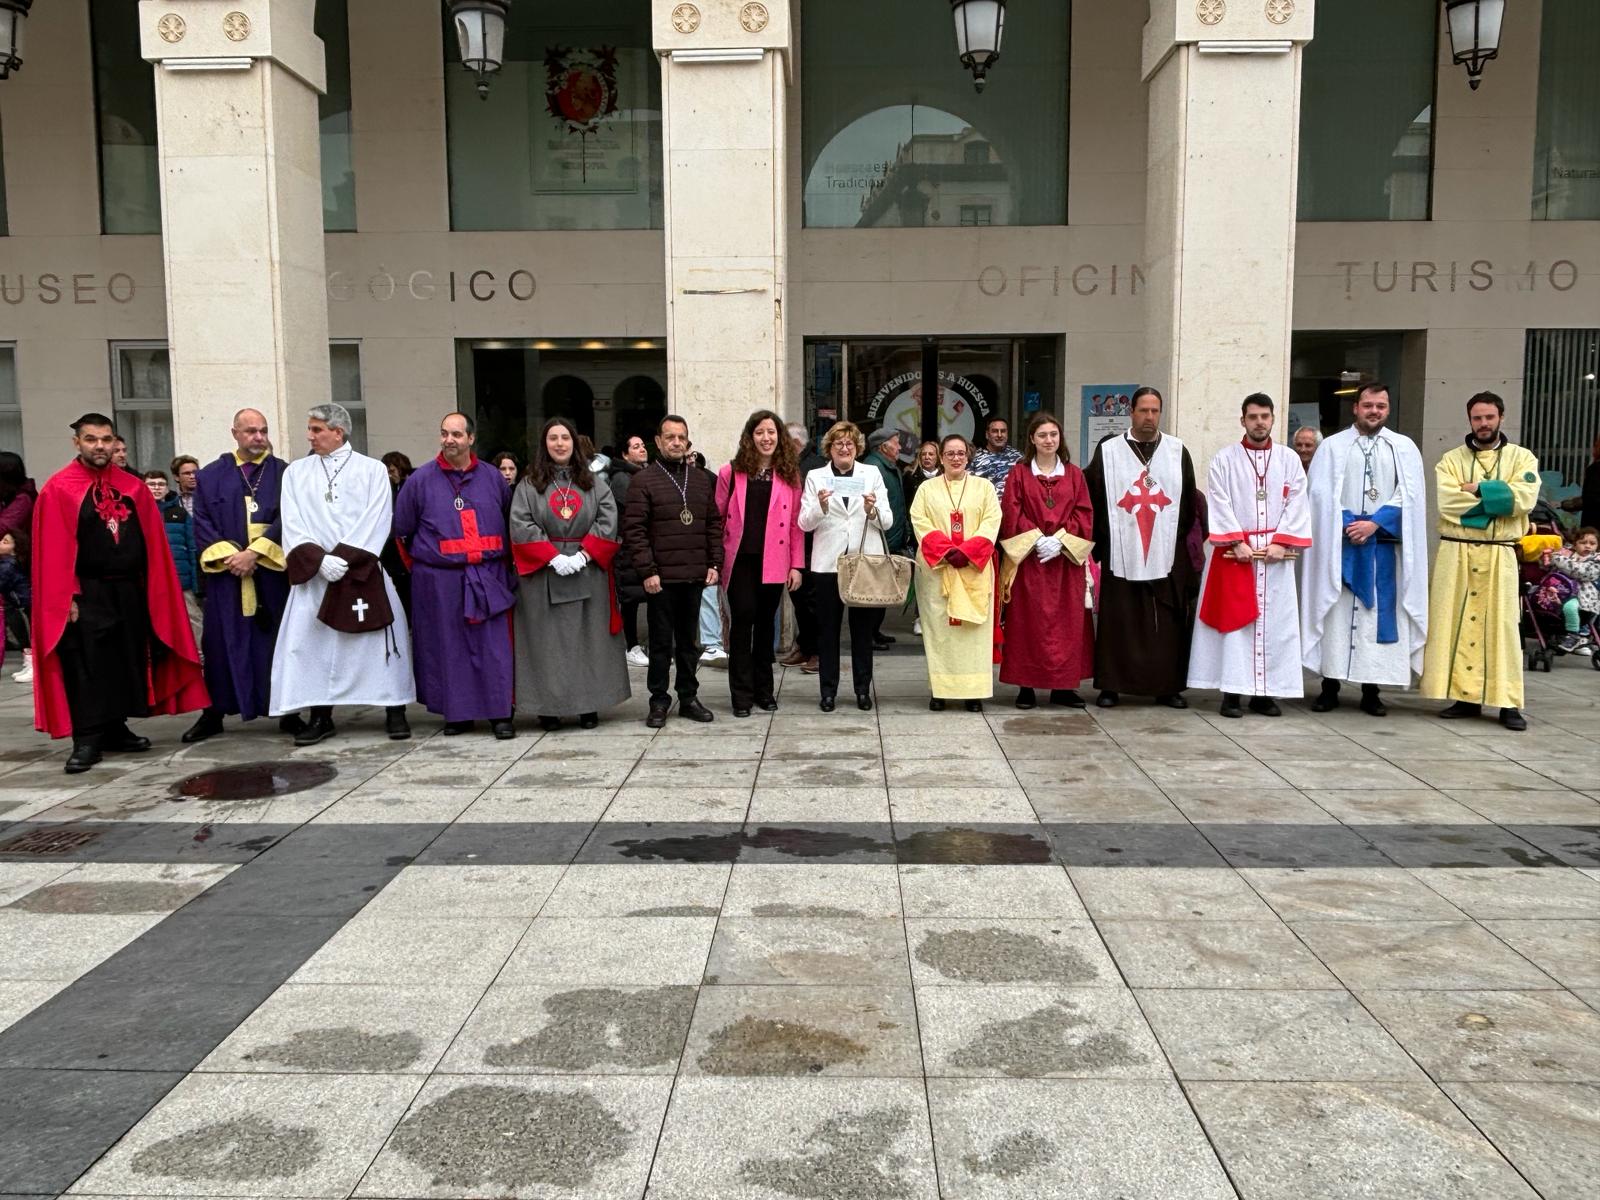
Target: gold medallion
(686, 516)
(250, 505)
(566, 512)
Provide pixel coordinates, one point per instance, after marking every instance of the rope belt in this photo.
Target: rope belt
(1445, 537)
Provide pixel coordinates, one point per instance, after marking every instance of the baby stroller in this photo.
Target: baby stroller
(1543, 594)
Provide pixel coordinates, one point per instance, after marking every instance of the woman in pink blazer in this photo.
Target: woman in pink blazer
(758, 494)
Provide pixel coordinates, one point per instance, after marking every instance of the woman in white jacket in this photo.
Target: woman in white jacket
(840, 501)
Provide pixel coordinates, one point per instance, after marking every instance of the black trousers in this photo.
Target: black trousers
(754, 610)
(805, 614)
(630, 622)
(674, 633)
(830, 616)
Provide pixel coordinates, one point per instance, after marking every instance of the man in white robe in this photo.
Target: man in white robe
(1247, 635)
(344, 638)
(1364, 618)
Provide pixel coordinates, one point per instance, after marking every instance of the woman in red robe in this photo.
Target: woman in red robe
(1049, 636)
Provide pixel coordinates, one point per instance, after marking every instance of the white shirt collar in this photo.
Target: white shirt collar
(343, 451)
(1061, 469)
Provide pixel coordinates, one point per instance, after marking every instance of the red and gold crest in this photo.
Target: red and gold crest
(580, 86)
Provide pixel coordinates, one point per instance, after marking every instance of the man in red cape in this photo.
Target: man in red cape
(111, 633)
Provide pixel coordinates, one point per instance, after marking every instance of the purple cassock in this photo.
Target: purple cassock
(453, 527)
(236, 508)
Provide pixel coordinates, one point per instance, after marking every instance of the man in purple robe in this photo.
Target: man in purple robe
(450, 518)
(238, 532)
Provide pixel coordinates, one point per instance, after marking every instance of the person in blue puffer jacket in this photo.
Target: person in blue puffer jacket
(180, 537)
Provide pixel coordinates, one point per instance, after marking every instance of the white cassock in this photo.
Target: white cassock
(314, 663)
(1259, 497)
(1378, 639)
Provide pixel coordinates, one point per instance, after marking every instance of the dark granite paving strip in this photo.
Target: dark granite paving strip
(1267, 845)
(111, 1045)
(153, 841)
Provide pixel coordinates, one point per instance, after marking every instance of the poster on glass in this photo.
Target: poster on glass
(585, 123)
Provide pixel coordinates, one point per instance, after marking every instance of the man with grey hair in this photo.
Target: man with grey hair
(344, 638)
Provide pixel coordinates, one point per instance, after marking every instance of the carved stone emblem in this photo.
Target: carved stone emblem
(686, 18)
(236, 26)
(1279, 11)
(754, 17)
(171, 27)
(1211, 12)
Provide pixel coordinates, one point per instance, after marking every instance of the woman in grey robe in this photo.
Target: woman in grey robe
(569, 646)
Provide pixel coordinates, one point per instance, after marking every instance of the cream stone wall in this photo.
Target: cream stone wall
(407, 288)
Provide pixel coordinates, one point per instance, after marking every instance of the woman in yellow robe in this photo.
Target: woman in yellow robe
(956, 520)
(1486, 488)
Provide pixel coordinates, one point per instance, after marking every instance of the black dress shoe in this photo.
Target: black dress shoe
(1173, 700)
(1067, 698)
(1460, 710)
(549, 724)
(741, 712)
(84, 755)
(1328, 699)
(588, 720)
(974, 706)
(1265, 706)
(124, 741)
(767, 705)
(695, 711)
(826, 703)
(1371, 703)
(208, 726)
(936, 705)
(886, 638)
(864, 701)
(455, 728)
(395, 723)
(503, 729)
(315, 730)
(882, 643)
(1107, 699)
(291, 724)
(1230, 705)
(657, 718)
(1513, 720)
(1026, 698)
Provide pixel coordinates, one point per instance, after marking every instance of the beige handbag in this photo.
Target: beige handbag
(873, 580)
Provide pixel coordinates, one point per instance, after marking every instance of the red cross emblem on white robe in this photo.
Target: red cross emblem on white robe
(1144, 503)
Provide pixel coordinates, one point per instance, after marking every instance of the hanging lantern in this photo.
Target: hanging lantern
(1474, 34)
(13, 22)
(979, 27)
(481, 35)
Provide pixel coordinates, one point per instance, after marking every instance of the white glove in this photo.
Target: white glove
(1047, 548)
(333, 568)
(569, 564)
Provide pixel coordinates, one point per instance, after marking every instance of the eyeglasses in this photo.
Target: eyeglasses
(952, 454)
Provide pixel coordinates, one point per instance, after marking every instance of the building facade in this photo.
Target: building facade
(718, 206)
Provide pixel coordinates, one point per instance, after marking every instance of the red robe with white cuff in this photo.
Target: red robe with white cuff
(1247, 635)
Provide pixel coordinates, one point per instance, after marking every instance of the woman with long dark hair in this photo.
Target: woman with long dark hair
(564, 528)
(17, 494)
(763, 549)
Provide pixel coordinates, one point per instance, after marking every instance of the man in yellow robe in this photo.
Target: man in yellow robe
(955, 518)
(1486, 488)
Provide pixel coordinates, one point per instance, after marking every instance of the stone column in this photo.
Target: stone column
(724, 85)
(241, 213)
(1224, 148)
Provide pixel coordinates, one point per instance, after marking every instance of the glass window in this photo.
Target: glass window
(569, 136)
(344, 360)
(1566, 154)
(1560, 398)
(10, 402)
(125, 109)
(333, 107)
(894, 134)
(1366, 112)
(1327, 369)
(141, 402)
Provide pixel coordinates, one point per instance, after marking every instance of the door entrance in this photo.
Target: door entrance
(611, 390)
(932, 386)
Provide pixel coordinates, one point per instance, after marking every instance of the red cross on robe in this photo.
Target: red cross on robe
(469, 543)
(1144, 503)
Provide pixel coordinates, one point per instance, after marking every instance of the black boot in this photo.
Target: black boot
(1461, 710)
(1026, 698)
(657, 717)
(974, 706)
(1173, 700)
(864, 701)
(1107, 699)
(1066, 698)
(503, 729)
(208, 726)
(291, 724)
(455, 728)
(1265, 706)
(319, 727)
(826, 702)
(588, 720)
(1513, 720)
(85, 753)
(1371, 704)
(1328, 699)
(123, 740)
(1230, 705)
(395, 723)
(695, 711)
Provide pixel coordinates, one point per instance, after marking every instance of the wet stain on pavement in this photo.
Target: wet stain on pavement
(594, 1027)
(255, 781)
(849, 1157)
(819, 966)
(677, 910)
(804, 910)
(1013, 1155)
(1042, 1043)
(511, 1139)
(1002, 956)
(132, 896)
(244, 1150)
(827, 776)
(342, 1049)
(973, 847)
(726, 847)
(759, 1046)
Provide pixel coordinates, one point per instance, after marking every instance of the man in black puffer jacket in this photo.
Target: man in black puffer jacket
(672, 531)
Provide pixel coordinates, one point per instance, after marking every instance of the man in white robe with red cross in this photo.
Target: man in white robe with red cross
(1247, 635)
